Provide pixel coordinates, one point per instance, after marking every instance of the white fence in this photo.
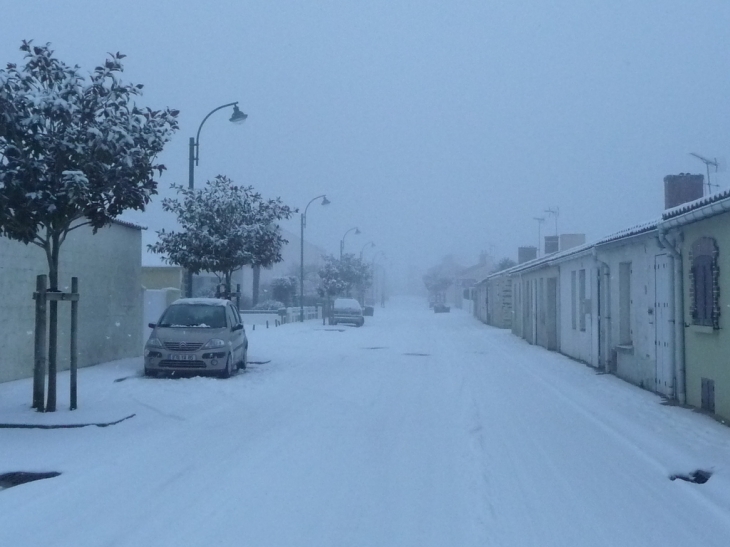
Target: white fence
(285, 315)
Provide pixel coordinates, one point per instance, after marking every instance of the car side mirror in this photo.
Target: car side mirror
(237, 327)
(151, 325)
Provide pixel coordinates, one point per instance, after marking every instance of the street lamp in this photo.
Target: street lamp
(237, 117)
(342, 241)
(372, 269)
(363, 248)
(325, 201)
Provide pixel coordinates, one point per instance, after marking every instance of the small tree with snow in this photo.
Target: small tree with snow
(331, 284)
(74, 151)
(223, 227)
(284, 289)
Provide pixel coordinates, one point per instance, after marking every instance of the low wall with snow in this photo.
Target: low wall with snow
(288, 315)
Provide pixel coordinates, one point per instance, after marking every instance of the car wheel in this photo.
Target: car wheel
(148, 372)
(226, 373)
(242, 366)
(361, 322)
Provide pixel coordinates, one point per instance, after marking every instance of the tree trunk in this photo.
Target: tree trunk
(228, 285)
(53, 323)
(256, 278)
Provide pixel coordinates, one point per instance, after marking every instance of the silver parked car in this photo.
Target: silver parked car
(204, 335)
(347, 310)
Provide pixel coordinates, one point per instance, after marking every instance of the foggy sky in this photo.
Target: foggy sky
(435, 127)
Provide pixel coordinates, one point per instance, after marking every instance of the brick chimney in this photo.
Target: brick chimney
(525, 254)
(552, 244)
(679, 189)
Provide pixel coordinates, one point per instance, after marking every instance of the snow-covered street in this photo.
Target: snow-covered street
(418, 429)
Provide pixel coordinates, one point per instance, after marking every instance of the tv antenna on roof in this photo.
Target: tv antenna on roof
(554, 212)
(707, 163)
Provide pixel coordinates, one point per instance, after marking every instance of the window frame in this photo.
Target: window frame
(704, 283)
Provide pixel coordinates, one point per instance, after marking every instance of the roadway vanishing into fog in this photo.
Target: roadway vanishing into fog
(418, 429)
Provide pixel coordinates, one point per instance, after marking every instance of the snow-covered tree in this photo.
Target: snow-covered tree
(223, 227)
(504, 264)
(341, 277)
(75, 150)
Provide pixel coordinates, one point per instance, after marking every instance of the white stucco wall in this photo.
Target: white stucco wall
(110, 308)
(576, 343)
(636, 364)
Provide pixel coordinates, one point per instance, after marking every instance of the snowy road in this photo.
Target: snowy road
(416, 430)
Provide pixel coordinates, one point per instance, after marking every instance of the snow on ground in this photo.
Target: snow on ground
(418, 429)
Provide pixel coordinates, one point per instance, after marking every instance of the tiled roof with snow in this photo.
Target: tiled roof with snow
(128, 224)
(548, 260)
(630, 232)
(696, 204)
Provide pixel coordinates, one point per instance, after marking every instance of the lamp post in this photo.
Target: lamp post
(325, 201)
(372, 268)
(342, 241)
(237, 117)
(372, 244)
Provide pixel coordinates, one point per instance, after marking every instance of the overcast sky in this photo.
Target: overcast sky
(435, 127)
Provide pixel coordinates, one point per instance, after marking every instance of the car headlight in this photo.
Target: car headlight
(154, 343)
(214, 343)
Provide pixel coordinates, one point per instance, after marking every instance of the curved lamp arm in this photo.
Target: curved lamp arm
(197, 136)
(325, 201)
(371, 243)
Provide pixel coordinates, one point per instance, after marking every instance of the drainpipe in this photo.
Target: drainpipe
(606, 328)
(680, 392)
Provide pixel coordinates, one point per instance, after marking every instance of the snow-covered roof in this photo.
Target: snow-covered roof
(128, 224)
(696, 204)
(550, 259)
(630, 232)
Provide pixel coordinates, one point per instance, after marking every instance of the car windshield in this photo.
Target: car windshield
(347, 303)
(194, 315)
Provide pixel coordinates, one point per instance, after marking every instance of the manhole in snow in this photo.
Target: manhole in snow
(417, 354)
(698, 477)
(8, 480)
(377, 347)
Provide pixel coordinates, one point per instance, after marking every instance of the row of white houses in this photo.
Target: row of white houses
(643, 303)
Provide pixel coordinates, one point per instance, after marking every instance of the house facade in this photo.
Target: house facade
(635, 308)
(700, 232)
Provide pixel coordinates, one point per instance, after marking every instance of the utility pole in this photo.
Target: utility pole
(554, 213)
(539, 220)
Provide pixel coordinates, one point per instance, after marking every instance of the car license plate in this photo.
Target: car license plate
(183, 357)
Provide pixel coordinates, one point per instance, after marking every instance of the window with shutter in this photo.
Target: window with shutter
(704, 283)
